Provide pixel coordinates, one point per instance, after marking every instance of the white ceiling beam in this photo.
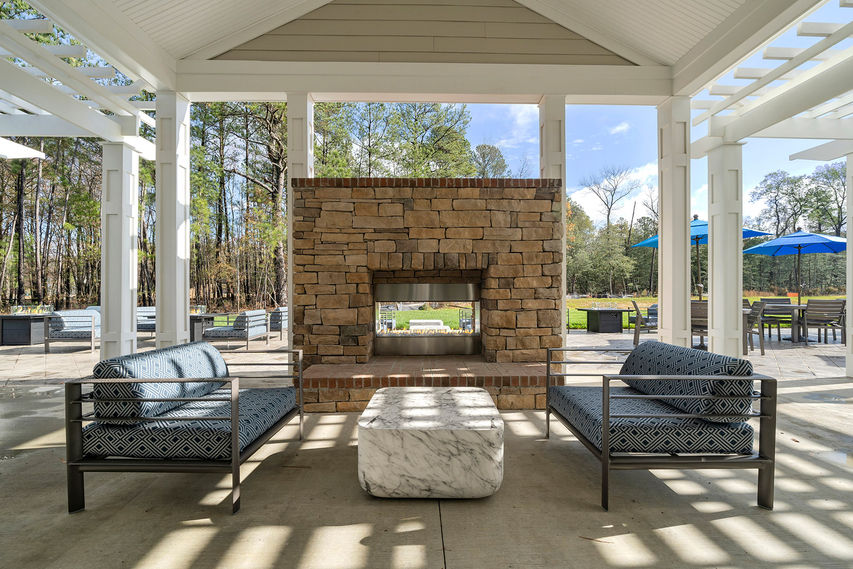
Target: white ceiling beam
(755, 87)
(817, 129)
(561, 13)
(109, 33)
(90, 72)
(36, 26)
(10, 109)
(818, 85)
(267, 22)
(34, 54)
(826, 152)
(43, 125)
(830, 106)
(817, 29)
(21, 84)
(701, 147)
(14, 151)
(842, 112)
(22, 104)
(778, 53)
(739, 35)
(61, 50)
(758, 73)
(219, 80)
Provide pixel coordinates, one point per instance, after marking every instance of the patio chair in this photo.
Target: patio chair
(641, 322)
(248, 325)
(146, 320)
(278, 321)
(826, 315)
(746, 303)
(699, 320)
(774, 316)
(754, 327)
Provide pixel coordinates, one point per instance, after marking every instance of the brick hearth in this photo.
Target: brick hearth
(348, 387)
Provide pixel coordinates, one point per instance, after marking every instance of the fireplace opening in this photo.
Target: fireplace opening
(419, 319)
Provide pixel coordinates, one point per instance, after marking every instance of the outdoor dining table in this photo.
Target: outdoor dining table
(796, 311)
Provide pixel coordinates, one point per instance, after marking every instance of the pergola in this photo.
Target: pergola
(546, 52)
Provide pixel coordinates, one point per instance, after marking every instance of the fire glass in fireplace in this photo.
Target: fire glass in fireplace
(418, 319)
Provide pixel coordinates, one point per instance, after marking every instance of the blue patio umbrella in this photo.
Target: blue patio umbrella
(698, 236)
(798, 243)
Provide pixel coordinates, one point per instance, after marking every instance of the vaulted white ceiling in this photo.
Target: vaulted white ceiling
(651, 31)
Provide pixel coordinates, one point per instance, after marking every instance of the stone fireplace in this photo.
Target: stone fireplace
(500, 236)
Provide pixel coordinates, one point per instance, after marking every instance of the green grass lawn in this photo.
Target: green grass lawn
(450, 317)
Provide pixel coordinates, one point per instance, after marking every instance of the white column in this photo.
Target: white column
(173, 218)
(552, 164)
(725, 250)
(849, 320)
(119, 227)
(674, 230)
(300, 164)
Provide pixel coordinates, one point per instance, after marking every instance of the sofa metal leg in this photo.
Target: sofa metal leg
(765, 487)
(547, 422)
(76, 493)
(605, 483)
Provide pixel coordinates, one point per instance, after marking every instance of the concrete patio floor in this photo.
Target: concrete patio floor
(302, 505)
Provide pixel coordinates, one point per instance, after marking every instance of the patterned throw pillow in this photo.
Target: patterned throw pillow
(198, 359)
(657, 358)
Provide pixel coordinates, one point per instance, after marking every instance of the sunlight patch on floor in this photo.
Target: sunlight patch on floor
(625, 551)
(182, 548)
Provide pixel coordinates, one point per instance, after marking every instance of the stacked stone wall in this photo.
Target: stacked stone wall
(350, 233)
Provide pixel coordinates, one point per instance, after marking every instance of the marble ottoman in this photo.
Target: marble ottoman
(430, 442)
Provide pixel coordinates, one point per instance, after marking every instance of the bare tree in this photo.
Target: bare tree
(611, 185)
(650, 202)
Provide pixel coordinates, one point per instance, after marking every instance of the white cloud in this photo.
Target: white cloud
(524, 129)
(620, 128)
(577, 141)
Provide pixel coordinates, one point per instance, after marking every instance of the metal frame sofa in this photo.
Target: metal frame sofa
(175, 409)
(72, 326)
(146, 319)
(681, 408)
(248, 325)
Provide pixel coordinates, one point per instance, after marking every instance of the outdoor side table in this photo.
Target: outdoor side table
(604, 319)
(430, 442)
(198, 323)
(21, 329)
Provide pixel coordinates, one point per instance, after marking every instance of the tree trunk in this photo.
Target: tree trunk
(38, 276)
(20, 294)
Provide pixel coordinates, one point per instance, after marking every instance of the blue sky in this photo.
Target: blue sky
(599, 136)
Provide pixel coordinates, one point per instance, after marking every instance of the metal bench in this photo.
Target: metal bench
(680, 408)
(175, 409)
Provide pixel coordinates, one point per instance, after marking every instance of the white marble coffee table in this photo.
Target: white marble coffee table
(430, 442)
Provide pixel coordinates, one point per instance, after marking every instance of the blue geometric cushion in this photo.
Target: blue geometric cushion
(235, 333)
(581, 406)
(74, 334)
(259, 409)
(197, 359)
(253, 317)
(76, 320)
(657, 358)
(145, 325)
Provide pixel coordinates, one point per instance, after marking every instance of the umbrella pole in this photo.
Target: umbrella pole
(799, 283)
(699, 286)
